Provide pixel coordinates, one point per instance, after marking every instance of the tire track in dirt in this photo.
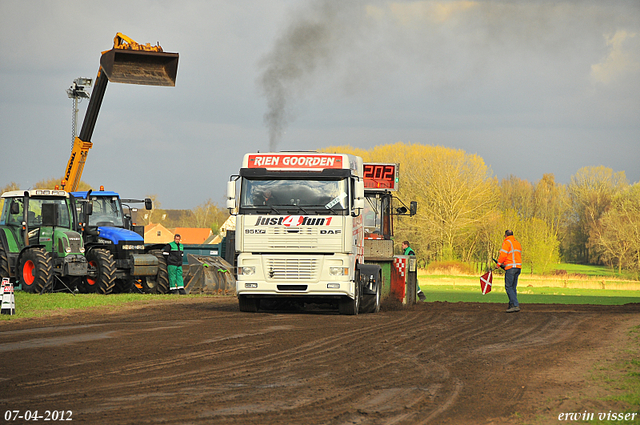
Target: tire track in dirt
(403, 367)
(331, 347)
(360, 397)
(204, 354)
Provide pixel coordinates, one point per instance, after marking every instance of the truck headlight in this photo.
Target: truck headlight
(247, 270)
(338, 271)
(81, 249)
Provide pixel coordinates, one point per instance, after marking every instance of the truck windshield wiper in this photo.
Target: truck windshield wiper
(263, 208)
(324, 208)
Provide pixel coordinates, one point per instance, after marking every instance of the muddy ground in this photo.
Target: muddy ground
(201, 361)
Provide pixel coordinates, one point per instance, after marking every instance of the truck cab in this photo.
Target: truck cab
(299, 231)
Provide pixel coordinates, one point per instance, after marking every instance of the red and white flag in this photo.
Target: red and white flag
(486, 281)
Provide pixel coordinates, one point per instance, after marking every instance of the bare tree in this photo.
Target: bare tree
(618, 234)
(591, 192)
(551, 204)
(9, 187)
(154, 215)
(517, 194)
(53, 182)
(205, 215)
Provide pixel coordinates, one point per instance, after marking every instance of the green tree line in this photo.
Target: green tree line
(463, 210)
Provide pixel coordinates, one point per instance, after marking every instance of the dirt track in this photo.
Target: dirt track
(202, 361)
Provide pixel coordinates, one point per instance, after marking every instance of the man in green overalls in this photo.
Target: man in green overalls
(407, 250)
(173, 253)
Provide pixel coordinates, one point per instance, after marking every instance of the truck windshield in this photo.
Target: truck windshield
(279, 196)
(106, 211)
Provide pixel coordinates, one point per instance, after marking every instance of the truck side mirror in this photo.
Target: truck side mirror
(15, 208)
(231, 190)
(148, 204)
(360, 190)
(358, 198)
(231, 194)
(413, 208)
(49, 215)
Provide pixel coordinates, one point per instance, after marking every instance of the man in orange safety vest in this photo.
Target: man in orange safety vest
(510, 260)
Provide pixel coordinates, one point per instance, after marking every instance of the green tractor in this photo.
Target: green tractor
(38, 248)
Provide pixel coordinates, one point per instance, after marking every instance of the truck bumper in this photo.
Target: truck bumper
(303, 276)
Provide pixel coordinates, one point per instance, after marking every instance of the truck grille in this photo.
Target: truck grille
(299, 238)
(292, 268)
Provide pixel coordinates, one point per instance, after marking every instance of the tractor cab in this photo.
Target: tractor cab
(37, 239)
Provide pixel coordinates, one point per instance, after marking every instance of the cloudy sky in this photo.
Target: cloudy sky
(533, 87)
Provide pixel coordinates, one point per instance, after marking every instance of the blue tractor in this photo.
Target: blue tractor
(115, 247)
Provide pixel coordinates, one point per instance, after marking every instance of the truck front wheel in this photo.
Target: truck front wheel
(371, 302)
(350, 306)
(35, 272)
(103, 279)
(249, 305)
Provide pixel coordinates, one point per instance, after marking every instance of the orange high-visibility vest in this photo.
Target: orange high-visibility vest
(510, 253)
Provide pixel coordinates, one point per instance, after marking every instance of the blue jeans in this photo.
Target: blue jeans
(511, 284)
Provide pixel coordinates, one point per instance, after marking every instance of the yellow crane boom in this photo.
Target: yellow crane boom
(127, 62)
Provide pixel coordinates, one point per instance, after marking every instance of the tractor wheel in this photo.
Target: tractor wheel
(4, 263)
(350, 306)
(35, 271)
(158, 284)
(100, 260)
(123, 286)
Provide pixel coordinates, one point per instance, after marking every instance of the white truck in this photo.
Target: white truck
(300, 231)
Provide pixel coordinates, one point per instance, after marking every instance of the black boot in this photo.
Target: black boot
(422, 296)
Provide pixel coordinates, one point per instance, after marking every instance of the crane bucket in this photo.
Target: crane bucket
(140, 67)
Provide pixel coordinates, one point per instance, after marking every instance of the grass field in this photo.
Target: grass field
(582, 284)
(576, 276)
(437, 288)
(538, 295)
(34, 305)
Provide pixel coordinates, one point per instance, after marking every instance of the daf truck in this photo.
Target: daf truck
(300, 231)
